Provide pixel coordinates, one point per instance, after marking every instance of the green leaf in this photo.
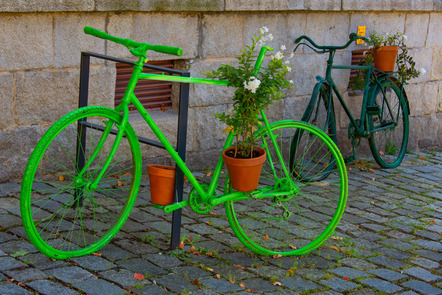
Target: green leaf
(19, 253)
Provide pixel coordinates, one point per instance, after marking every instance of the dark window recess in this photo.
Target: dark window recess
(153, 95)
(357, 56)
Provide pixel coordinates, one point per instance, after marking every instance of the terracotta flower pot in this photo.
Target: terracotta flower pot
(385, 58)
(244, 173)
(162, 184)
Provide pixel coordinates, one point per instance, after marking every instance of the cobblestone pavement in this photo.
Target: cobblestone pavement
(387, 242)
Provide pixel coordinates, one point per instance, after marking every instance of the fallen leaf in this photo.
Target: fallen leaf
(345, 278)
(433, 221)
(117, 176)
(213, 213)
(19, 253)
(218, 276)
(239, 266)
(242, 285)
(120, 183)
(335, 248)
(195, 282)
(96, 254)
(209, 269)
(276, 284)
(127, 173)
(381, 153)
(266, 237)
(181, 246)
(371, 170)
(277, 256)
(232, 281)
(60, 178)
(163, 109)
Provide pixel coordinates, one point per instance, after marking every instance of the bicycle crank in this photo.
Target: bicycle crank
(196, 202)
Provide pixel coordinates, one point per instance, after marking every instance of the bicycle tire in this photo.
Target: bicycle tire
(291, 224)
(62, 214)
(388, 146)
(320, 113)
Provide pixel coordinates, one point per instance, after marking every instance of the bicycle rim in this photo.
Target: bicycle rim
(297, 223)
(389, 144)
(62, 215)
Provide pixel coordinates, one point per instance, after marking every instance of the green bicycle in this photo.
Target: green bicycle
(82, 179)
(384, 111)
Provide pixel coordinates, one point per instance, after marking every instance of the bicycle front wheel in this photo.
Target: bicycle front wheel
(319, 113)
(298, 222)
(389, 126)
(64, 215)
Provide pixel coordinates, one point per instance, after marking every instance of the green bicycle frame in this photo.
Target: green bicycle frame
(129, 97)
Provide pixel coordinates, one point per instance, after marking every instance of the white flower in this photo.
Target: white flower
(279, 55)
(422, 71)
(252, 85)
(405, 37)
(270, 37)
(289, 69)
(264, 30)
(287, 62)
(283, 47)
(291, 81)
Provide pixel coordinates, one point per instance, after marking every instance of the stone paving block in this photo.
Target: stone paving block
(431, 245)
(232, 272)
(7, 288)
(192, 272)
(7, 263)
(93, 263)
(422, 274)
(425, 263)
(221, 285)
(141, 266)
(96, 287)
(387, 274)
(136, 247)
(152, 290)
(432, 255)
(113, 253)
(387, 262)
(299, 284)
(357, 263)
(422, 287)
(349, 272)
(398, 244)
(175, 283)
(381, 285)
(163, 260)
(123, 277)
(49, 287)
(26, 275)
(258, 285)
(339, 285)
(70, 274)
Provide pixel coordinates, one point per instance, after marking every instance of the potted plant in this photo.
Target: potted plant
(255, 91)
(386, 52)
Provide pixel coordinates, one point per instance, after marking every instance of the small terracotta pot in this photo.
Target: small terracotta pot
(385, 58)
(162, 184)
(244, 173)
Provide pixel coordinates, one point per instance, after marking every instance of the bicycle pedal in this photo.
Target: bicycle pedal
(373, 110)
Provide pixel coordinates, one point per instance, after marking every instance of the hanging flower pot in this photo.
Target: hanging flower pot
(244, 173)
(385, 58)
(162, 184)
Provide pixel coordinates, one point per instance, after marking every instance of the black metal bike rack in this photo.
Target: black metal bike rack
(182, 127)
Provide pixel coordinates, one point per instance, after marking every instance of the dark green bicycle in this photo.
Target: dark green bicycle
(383, 119)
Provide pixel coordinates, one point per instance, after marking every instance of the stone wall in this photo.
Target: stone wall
(41, 43)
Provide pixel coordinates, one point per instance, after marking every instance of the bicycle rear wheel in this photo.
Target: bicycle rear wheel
(389, 127)
(298, 222)
(63, 215)
(320, 113)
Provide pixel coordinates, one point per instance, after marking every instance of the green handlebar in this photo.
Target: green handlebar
(132, 44)
(353, 37)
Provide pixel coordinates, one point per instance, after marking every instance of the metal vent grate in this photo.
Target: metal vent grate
(153, 95)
